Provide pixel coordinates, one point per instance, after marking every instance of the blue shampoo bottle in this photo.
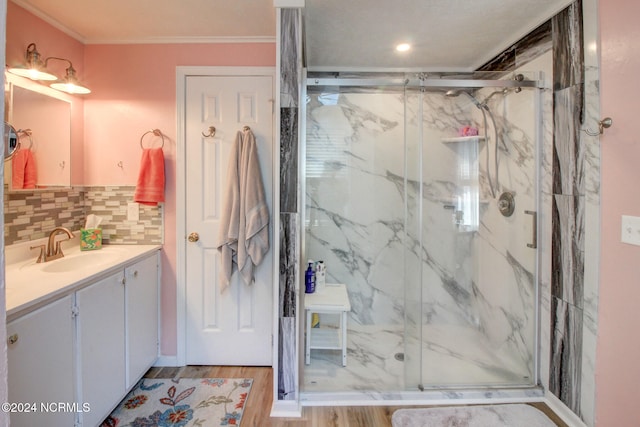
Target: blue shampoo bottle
(310, 279)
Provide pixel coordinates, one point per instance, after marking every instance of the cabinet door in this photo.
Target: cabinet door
(141, 298)
(101, 347)
(41, 364)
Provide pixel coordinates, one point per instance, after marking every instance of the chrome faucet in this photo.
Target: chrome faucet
(53, 249)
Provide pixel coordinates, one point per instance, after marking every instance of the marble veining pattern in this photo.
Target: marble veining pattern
(287, 387)
(289, 228)
(372, 367)
(569, 152)
(568, 249)
(575, 215)
(289, 62)
(568, 47)
(566, 349)
(355, 142)
(288, 264)
(520, 53)
(289, 159)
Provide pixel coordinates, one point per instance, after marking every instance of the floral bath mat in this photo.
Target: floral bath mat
(193, 402)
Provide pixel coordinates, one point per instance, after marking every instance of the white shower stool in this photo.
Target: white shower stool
(331, 299)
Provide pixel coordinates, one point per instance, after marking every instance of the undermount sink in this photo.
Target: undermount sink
(80, 261)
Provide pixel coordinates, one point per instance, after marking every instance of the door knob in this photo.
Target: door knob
(193, 237)
(12, 339)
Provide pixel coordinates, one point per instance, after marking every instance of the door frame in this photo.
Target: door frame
(182, 72)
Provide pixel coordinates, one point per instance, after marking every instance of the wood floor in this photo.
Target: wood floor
(258, 406)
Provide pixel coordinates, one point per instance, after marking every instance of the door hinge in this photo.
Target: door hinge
(75, 311)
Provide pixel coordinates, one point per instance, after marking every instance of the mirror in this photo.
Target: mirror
(10, 141)
(41, 121)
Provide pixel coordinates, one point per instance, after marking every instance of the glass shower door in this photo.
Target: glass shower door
(470, 263)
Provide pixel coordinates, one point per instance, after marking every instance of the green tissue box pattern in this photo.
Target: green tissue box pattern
(90, 239)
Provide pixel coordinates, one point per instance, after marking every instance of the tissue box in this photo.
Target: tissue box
(90, 239)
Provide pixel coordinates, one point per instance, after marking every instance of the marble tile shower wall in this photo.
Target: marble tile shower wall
(356, 142)
(568, 212)
(290, 64)
(32, 215)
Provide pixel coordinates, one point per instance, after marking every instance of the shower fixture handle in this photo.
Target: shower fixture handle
(534, 233)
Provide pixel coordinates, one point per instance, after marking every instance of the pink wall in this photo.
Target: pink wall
(618, 351)
(24, 28)
(133, 91)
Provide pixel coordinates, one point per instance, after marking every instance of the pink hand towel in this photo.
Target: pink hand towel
(23, 169)
(150, 186)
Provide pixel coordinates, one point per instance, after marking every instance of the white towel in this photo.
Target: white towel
(244, 224)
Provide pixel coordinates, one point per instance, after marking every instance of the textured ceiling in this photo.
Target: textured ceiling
(157, 21)
(340, 34)
(445, 34)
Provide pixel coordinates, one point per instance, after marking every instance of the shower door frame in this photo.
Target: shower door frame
(423, 82)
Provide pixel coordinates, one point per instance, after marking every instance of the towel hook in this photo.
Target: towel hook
(602, 125)
(212, 132)
(156, 132)
(246, 128)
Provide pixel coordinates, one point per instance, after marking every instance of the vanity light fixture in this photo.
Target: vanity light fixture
(403, 47)
(70, 82)
(35, 69)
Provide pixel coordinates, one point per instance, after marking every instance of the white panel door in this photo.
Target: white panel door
(232, 327)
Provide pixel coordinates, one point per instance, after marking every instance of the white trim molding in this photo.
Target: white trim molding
(288, 3)
(182, 72)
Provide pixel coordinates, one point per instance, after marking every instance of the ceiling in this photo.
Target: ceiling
(158, 21)
(446, 35)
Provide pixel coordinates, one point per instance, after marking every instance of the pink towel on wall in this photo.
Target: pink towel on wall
(23, 169)
(150, 186)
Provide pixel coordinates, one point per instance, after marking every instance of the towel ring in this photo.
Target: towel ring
(246, 128)
(156, 132)
(25, 132)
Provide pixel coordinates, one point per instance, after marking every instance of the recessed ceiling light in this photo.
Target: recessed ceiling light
(403, 47)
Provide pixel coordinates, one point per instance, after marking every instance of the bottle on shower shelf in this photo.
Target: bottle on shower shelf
(310, 279)
(321, 274)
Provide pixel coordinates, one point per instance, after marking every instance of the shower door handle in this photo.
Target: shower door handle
(534, 234)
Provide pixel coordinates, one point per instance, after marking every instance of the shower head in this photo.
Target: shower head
(456, 92)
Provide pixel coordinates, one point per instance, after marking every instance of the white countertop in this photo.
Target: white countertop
(30, 285)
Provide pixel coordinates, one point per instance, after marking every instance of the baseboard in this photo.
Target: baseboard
(561, 410)
(167, 361)
(286, 409)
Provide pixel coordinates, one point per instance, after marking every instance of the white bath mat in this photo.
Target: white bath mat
(472, 416)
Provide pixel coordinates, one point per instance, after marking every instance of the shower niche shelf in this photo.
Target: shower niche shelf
(476, 138)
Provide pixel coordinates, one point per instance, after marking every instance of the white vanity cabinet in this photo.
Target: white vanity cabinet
(141, 315)
(88, 347)
(101, 346)
(41, 365)
(117, 336)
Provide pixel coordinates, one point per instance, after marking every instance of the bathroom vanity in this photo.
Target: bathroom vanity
(82, 330)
